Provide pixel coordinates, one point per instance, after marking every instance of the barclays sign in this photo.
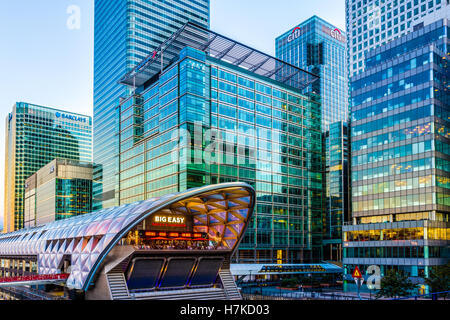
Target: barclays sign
(70, 117)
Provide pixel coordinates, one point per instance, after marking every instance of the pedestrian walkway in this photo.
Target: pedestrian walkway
(274, 293)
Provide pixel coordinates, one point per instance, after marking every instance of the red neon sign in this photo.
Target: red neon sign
(168, 225)
(61, 276)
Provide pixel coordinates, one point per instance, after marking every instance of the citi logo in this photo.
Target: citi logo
(297, 32)
(336, 33)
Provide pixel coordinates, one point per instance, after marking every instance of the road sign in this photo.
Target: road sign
(357, 273)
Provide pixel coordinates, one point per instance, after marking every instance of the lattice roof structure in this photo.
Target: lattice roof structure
(222, 48)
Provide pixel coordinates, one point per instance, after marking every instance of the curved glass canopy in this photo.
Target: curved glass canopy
(222, 211)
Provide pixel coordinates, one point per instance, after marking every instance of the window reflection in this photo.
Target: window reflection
(398, 234)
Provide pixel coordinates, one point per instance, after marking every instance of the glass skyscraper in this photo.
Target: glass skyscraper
(337, 188)
(372, 23)
(127, 31)
(400, 156)
(319, 47)
(36, 135)
(220, 111)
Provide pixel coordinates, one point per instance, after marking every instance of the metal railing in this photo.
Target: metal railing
(299, 296)
(23, 293)
(259, 294)
(432, 295)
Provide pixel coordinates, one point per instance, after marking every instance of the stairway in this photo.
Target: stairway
(117, 286)
(229, 285)
(122, 266)
(119, 265)
(190, 294)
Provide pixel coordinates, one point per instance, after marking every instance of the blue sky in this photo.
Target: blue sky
(44, 62)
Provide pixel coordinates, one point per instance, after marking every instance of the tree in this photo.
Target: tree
(439, 278)
(289, 283)
(395, 284)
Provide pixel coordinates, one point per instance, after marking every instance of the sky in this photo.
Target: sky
(47, 58)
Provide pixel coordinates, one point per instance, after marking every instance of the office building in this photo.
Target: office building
(400, 156)
(319, 47)
(248, 122)
(337, 189)
(127, 31)
(59, 190)
(372, 23)
(36, 135)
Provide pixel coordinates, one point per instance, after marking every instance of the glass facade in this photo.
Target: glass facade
(204, 121)
(400, 120)
(319, 47)
(73, 197)
(126, 32)
(336, 189)
(35, 136)
(373, 23)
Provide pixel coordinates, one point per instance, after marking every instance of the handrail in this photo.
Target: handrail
(29, 293)
(422, 295)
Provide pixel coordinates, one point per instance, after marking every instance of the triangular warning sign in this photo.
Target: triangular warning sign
(356, 273)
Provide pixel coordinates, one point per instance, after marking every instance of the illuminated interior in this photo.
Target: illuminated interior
(213, 220)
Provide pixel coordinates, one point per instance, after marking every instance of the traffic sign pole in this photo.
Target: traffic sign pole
(357, 275)
(359, 283)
